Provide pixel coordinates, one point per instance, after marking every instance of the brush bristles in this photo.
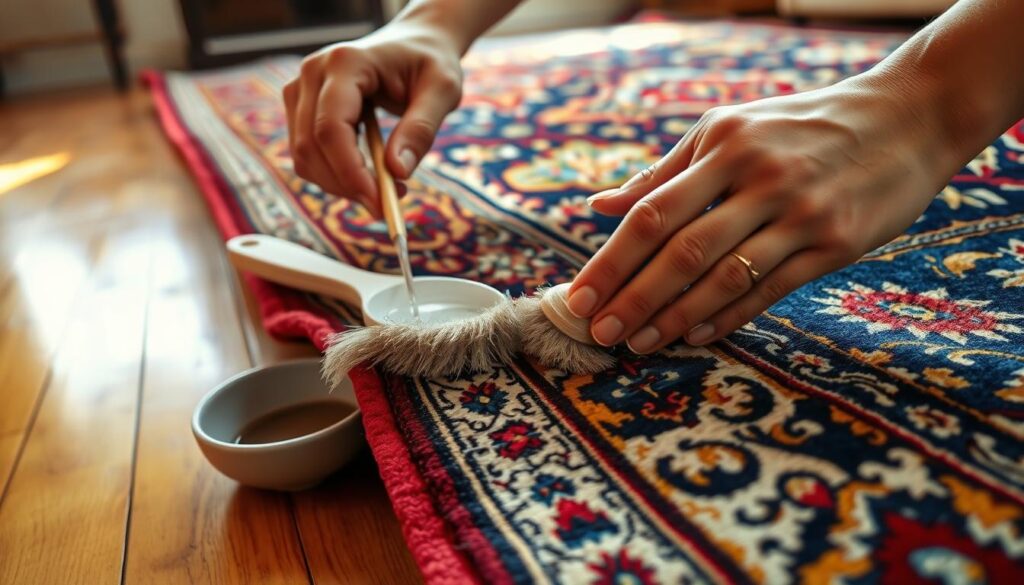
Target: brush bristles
(553, 348)
(469, 345)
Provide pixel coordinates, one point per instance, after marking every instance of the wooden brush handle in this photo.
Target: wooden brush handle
(385, 182)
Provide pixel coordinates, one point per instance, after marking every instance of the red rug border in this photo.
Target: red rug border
(424, 531)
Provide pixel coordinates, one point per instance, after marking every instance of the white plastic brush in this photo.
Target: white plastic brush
(540, 326)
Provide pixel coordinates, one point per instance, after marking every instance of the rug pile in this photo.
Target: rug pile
(870, 427)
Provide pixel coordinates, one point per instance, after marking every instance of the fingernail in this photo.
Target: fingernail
(700, 334)
(607, 330)
(601, 195)
(408, 160)
(642, 341)
(582, 301)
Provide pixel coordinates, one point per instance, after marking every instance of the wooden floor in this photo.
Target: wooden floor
(118, 311)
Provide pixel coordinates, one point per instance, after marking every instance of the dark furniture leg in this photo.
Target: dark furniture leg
(113, 40)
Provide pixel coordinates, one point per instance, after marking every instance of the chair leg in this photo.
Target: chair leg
(113, 40)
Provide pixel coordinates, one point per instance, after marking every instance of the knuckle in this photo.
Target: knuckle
(647, 219)
(310, 66)
(833, 233)
(739, 316)
(637, 303)
(711, 115)
(676, 320)
(289, 90)
(807, 209)
(339, 55)
(420, 132)
(774, 166)
(734, 278)
(326, 131)
(605, 270)
(304, 147)
(771, 291)
(300, 167)
(687, 254)
(449, 83)
(723, 124)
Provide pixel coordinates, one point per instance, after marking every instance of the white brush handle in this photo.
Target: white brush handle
(299, 267)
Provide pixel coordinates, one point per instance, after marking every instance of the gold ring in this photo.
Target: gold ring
(754, 274)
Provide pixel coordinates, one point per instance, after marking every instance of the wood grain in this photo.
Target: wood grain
(63, 515)
(210, 529)
(117, 312)
(349, 531)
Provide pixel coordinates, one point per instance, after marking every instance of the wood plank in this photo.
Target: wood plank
(50, 232)
(350, 532)
(62, 518)
(210, 530)
(62, 515)
(33, 317)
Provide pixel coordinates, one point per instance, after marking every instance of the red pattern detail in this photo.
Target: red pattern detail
(905, 536)
(570, 510)
(815, 494)
(612, 569)
(961, 319)
(515, 440)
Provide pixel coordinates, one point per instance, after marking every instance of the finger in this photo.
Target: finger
(290, 97)
(794, 272)
(308, 160)
(336, 123)
(618, 201)
(730, 279)
(646, 228)
(432, 99)
(684, 258)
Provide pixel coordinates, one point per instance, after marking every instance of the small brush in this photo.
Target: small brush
(389, 202)
(539, 325)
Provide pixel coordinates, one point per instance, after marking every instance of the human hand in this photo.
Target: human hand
(409, 67)
(805, 184)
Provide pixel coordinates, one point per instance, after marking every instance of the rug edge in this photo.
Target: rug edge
(277, 317)
(438, 559)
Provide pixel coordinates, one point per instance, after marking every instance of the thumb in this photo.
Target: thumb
(417, 129)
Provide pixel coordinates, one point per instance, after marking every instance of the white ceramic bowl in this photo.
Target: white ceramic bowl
(289, 465)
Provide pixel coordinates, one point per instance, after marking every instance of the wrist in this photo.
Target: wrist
(948, 135)
(438, 17)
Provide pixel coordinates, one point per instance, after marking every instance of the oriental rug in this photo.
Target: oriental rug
(868, 428)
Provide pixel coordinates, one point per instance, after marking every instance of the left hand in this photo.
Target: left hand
(805, 184)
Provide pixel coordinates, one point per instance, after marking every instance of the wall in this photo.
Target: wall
(157, 38)
(536, 15)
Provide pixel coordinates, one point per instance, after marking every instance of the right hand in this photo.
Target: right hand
(409, 68)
